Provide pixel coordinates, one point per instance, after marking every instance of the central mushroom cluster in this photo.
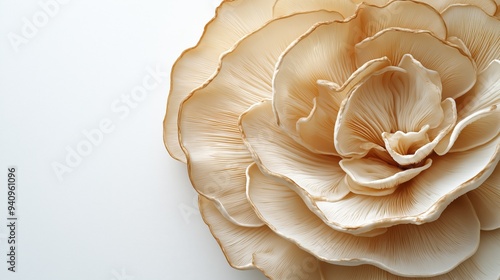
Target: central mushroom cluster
(389, 125)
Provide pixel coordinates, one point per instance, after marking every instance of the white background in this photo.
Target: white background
(126, 209)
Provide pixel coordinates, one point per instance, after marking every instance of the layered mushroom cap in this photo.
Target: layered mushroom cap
(361, 142)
